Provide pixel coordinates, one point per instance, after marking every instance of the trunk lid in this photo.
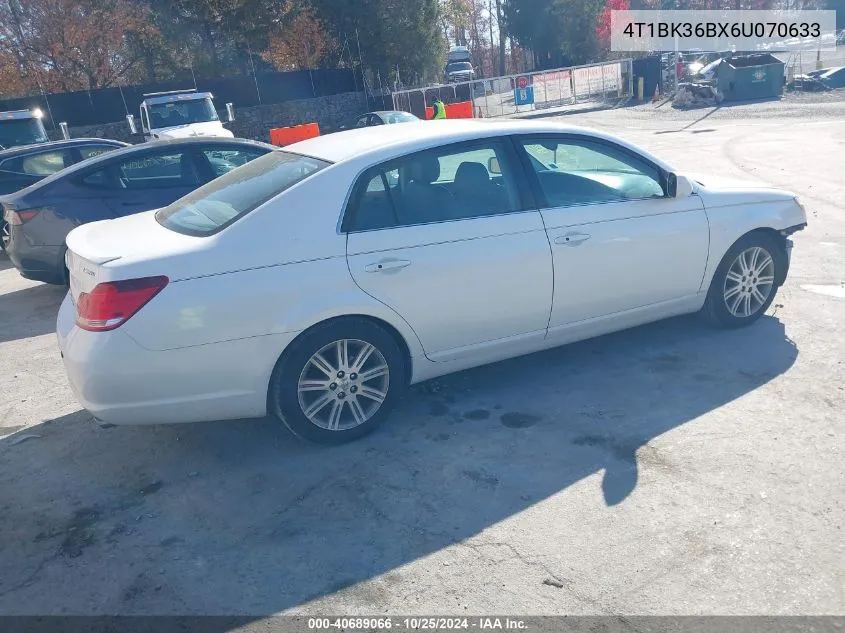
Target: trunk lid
(126, 248)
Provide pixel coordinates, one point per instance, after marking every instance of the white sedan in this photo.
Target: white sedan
(318, 282)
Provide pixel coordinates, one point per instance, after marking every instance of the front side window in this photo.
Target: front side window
(435, 186)
(573, 171)
(157, 171)
(233, 195)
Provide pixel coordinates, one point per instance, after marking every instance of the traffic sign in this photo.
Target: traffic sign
(522, 82)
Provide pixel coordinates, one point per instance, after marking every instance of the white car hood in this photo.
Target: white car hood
(719, 185)
(209, 128)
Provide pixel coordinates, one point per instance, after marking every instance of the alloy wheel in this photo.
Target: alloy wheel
(343, 384)
(749, 282)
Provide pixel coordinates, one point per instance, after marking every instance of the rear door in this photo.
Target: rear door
(462, 258)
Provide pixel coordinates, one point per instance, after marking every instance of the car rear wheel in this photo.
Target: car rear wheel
(745, 282)
(338, 381)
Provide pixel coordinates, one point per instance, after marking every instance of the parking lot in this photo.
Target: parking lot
(669, 469)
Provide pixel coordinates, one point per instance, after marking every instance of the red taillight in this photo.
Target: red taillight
(16, 218)
(109, 305)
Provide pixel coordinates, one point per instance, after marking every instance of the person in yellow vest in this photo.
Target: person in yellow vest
(439, 109)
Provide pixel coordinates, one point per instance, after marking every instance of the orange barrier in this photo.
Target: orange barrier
(462, 110)
(286, 135)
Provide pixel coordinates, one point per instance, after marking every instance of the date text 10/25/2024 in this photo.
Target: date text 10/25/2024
(417, 624)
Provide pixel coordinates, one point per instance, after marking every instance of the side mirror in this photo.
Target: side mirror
(130, 120)
(230, 112)
(678, 186)
(493, 166)
(65, 131)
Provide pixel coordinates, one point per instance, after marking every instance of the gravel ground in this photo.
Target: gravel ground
(669, 469)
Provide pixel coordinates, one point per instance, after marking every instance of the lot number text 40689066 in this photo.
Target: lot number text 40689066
(417, 623)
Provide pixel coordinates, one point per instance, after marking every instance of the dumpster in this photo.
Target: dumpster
(649, 69)
(742, 77)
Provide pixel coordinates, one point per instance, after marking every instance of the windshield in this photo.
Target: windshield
(458, 66)
(181, 113)
(22, 132)
(399, 117)
(233, 195)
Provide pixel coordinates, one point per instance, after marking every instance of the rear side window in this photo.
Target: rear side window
(222, 160)
(456, 182)
(233, 195)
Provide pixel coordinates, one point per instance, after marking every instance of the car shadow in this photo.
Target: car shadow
(30, 311)
(240, 518)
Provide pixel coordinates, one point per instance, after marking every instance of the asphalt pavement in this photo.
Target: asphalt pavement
(668, 469)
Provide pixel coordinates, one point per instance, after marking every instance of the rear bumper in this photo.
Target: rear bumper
(120, 382)
(39, 263)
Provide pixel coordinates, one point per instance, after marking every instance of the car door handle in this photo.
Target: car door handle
(386, 265)
(571, 239)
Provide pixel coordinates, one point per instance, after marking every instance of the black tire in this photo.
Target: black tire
(715, 308)
(284, 397)
(4, 233)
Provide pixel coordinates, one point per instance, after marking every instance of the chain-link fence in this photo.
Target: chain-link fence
(500, 96)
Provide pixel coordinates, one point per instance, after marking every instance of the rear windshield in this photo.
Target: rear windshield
(233, 195)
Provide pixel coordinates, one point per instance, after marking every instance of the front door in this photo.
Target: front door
(617, 241)
(445, 239)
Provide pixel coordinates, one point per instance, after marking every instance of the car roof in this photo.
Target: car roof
(176, 97)
(145, 147)
(72, 142)
(391, 140)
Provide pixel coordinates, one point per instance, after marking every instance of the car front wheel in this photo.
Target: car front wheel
(746, 281)
(338, 381)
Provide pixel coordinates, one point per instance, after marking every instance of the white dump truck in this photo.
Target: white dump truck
(180, 114)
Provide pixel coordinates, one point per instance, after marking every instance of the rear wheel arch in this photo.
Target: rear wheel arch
(299, 393)
(400, 341)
